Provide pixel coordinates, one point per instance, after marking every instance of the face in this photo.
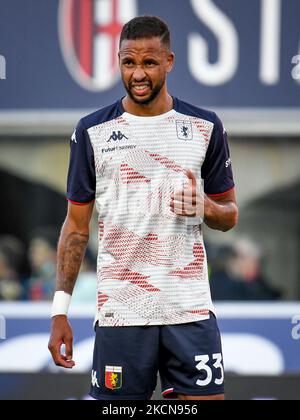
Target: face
(144, 65)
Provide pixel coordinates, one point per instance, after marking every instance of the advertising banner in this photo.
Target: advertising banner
(239, 57)
(258, 339)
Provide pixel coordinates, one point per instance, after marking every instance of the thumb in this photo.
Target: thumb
(190, 174)
(69, 348)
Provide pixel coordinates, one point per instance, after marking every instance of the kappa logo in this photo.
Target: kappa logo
(89, 32)
(117, 136)
(184, 130)
(228, 163)
(113, 377)
(73, 138)
(94, 379)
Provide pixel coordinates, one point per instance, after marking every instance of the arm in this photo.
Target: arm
(221, 213)
(71, 249)
(72, 246)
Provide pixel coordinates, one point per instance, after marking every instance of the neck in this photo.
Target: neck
(162, 104)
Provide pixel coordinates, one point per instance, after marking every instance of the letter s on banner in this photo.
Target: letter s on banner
(225, 68)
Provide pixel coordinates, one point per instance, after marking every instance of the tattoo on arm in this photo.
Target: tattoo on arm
(71, 251)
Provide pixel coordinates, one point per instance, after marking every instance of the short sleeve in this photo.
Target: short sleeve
(216, 170)
(81, 176)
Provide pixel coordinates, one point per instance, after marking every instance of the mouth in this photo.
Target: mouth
(140, 89)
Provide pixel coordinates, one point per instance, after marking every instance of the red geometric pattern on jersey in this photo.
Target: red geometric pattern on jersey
(168, 163)
(119, 271)
(204, 128)
(195, 268)
(121, 120)
(126, 246)
(142, 162)
(102, 299)
(151, 237)
(101, 229)
(199, 312)
(130, 175)
(171, 119)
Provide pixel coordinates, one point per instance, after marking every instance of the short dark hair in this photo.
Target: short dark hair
(146, 27)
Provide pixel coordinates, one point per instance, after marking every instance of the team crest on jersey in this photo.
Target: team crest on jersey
(184, 130)
(89, 36)
(113, 377)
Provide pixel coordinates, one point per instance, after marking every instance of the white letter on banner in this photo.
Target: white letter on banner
(225, 68)
(270, 41)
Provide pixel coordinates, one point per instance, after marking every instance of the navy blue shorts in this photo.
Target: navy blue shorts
(188, 358)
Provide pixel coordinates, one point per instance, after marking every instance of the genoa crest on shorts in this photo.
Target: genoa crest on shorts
(113, 377)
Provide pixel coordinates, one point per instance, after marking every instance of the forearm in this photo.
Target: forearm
(71, 249)
(220, 216)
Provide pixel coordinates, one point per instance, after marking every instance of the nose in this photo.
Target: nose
(139, 74)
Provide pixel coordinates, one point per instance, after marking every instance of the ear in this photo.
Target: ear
(170, 61)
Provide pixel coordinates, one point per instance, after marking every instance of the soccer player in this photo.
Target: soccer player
(141, 161)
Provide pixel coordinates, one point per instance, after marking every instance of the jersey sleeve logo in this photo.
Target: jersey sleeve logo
(73, 138)
(228, 163)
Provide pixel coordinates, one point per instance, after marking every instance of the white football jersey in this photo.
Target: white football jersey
(152, 265)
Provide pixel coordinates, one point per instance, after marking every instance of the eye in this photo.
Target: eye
(150, 63)
(128, 62)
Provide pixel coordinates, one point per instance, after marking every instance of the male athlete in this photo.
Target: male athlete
(141, 161)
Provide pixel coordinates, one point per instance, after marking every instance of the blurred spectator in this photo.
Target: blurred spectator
(237, 274)
(42, 257)
(11, 263)
(248, 267)
(223, 285)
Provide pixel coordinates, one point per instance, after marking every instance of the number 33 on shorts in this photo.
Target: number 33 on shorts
(207, 372)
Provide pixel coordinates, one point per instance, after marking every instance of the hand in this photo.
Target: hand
(189, 201)
(61, 333)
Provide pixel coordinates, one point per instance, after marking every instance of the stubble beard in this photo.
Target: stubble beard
(154, 93)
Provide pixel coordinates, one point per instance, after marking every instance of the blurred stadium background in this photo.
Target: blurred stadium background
(242, 59)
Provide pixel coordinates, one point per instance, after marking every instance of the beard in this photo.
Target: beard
(154, 93)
